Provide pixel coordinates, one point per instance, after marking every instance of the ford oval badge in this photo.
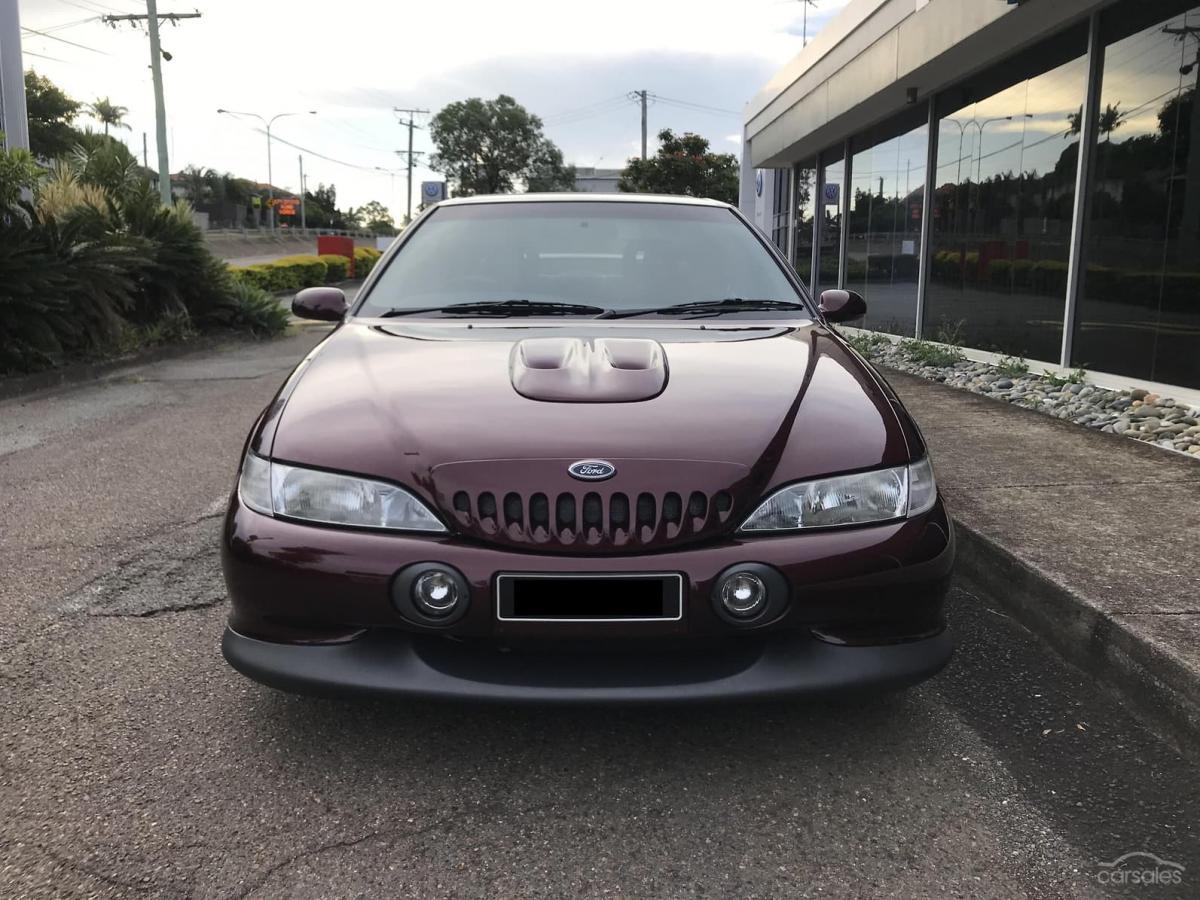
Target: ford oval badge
(592, 470)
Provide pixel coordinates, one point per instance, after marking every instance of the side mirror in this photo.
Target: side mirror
(325, 304)
(842, 306)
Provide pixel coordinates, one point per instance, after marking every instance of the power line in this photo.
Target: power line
(340, 162)
(688, 104)
(44, 56)
(91, 7)
(585, 116)
(63, 40)
(63, 26)
(588, 109)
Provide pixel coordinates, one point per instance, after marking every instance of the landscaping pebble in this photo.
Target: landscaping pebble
(1136, 413)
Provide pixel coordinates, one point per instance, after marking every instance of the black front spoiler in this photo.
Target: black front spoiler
(396, 663)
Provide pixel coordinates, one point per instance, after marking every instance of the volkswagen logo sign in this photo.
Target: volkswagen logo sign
(592, 470)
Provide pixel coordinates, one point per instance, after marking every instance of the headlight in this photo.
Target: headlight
(857, 499)
(275, 489)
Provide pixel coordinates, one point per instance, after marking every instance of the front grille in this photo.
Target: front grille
(592, 518)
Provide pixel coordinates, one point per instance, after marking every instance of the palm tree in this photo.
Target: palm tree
(108, 113)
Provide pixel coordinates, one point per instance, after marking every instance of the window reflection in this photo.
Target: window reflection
(805, 180)
(1003, 208)
(829, 219)
(781, 217)
(884, 239)
(1140, 309)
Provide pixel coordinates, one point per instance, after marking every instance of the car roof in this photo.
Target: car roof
(564, 197)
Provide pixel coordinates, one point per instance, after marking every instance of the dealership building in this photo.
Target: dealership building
(1016, 177)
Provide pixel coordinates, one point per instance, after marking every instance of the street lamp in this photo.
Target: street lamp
(270, 174)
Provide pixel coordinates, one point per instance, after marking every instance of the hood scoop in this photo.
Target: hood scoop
(596, 370)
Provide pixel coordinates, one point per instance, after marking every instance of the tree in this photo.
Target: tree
(376, 217)
(1110, 120)
(683, 165)
(108, 113)
(197, 183)
(51, 113)
(486, 146)
(547, 171)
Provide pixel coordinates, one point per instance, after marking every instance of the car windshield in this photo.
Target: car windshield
(543, 258)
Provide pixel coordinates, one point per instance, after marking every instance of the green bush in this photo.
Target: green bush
(338, 267)
(364, 260)
(305, 271)
(63, 290)
(257, 312)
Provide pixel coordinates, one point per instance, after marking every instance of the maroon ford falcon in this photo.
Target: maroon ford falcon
(571, 448)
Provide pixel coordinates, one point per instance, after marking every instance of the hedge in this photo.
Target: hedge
(1177, 291)
(338, 267)
(291, 273)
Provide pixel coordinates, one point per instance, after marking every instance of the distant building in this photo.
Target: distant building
(597, 181)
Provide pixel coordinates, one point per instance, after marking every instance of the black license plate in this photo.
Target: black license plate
(589, 598)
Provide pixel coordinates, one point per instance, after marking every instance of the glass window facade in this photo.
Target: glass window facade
(883, 241)
(1139, 312)
(804, 181)
(829, 220)
(781, 219)
(998, 261)
(1004, 204)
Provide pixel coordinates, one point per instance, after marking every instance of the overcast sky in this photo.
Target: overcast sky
(354, 61)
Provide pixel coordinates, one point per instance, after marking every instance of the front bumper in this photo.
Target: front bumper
(312, 612)
(398, 664)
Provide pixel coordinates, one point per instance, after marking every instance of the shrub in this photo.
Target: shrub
(337, 267)
(63, 290)
(256, 311)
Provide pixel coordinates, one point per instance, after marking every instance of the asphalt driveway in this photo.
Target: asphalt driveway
(133, 762)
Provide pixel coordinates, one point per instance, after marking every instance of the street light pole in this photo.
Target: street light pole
(270, 174)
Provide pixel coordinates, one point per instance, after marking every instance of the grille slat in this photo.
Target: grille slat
(590, 518)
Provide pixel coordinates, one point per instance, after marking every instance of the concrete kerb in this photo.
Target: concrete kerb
(1153, 685)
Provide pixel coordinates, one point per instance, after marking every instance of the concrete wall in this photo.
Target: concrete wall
(858, 70)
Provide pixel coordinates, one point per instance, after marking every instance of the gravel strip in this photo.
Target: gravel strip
(1134, 413)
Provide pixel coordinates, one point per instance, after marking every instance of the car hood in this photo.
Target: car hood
(439, 406)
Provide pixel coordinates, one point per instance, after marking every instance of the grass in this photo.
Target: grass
(1013, 366)
(171, 329)
(927, 353)
(1075, 376)
(867, 342)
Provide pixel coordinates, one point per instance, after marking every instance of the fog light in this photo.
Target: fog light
(743, 594)
(436, 593)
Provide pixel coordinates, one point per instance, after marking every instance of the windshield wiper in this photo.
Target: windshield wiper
(503, 308)
(709, 307)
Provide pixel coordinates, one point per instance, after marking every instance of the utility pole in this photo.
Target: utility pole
(145, 153)
(14, 123)
(411, 123)
(643, 97)
(160, 109)
(303, 218)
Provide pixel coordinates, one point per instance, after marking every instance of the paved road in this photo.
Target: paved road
(133, 762)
